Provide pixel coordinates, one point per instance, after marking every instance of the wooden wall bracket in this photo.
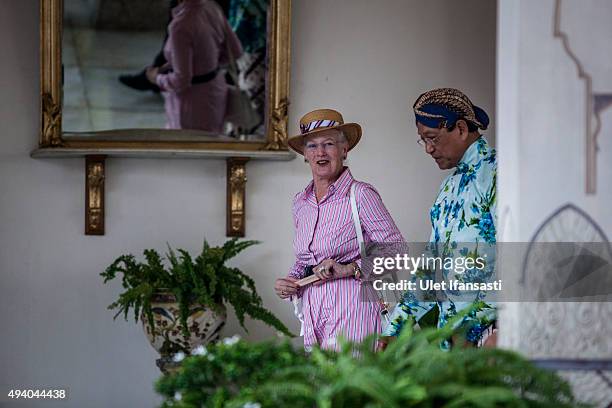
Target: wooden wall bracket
(236, 182)
(94, 194)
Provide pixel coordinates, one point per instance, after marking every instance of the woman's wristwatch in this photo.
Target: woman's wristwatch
(356, 271)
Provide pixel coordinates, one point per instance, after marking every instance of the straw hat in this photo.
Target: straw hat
(320, 120)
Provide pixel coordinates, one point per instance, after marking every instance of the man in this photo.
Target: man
(464, 212)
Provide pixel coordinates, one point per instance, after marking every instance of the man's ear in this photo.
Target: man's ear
(463, 129)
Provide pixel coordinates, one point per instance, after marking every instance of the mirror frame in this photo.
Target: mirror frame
(51, 94)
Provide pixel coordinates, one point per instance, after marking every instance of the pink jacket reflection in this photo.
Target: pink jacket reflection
(196, 45)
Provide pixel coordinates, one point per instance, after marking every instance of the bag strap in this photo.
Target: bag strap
(357, 222)
(384, 306)
(233, 69)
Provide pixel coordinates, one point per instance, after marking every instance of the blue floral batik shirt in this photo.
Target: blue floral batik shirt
(463, 219)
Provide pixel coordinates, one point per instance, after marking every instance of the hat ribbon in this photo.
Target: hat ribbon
(315, 124)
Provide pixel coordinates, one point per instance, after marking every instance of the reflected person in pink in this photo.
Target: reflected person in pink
(194, 89)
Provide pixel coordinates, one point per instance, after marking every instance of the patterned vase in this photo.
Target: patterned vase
(167, 337)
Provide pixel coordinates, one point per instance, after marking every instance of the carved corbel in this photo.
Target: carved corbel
(94, 195)
(236, 182)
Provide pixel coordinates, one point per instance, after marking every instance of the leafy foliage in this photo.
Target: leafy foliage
(205, 280)
(412, 372)
(227, 373)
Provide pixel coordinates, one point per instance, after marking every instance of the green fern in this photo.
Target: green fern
(412, 372)
(205, 280)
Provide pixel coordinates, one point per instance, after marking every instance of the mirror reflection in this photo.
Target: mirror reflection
(196, 65)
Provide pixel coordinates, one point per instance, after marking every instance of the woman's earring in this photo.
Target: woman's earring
(305, 160)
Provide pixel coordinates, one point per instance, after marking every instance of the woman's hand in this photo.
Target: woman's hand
(330, 269)
(164, 69)
(151, 73)
(286, 287)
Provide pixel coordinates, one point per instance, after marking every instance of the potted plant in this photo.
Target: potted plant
(412, 372)
(181, 300)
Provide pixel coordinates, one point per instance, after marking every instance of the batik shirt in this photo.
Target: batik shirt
(463, 212)
(248, 19)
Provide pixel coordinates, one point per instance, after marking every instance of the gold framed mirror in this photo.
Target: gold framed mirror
(88, 110)
(58, 136)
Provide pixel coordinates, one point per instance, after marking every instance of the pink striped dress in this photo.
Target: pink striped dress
(325, 230)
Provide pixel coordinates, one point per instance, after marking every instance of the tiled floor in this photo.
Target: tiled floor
(94, 99)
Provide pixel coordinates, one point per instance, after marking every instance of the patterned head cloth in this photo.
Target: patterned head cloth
(443, 107)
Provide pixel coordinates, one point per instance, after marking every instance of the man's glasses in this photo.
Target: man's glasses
(431, 141)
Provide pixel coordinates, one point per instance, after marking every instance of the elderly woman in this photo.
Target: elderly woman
(325, 235)
(199, 38)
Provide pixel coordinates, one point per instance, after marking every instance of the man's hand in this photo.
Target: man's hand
(491, 341)
(285, 287)
(383, 342)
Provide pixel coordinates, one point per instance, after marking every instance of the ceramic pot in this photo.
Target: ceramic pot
(167, 336)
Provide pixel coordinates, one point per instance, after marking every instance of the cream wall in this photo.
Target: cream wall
(542, 105)
(368, 59)
(541, 134)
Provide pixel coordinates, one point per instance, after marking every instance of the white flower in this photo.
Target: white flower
(199, 351)
(178, 357)
(252, 405)
(178, 396)
(230, 341)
